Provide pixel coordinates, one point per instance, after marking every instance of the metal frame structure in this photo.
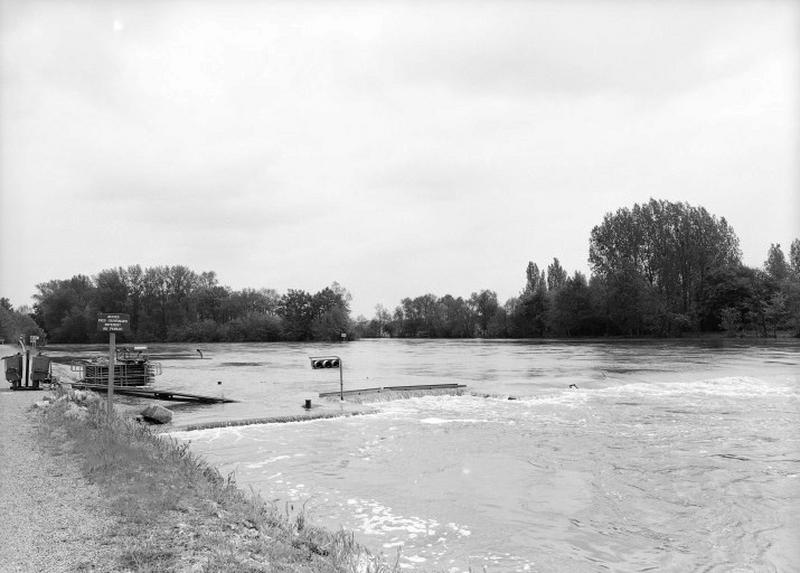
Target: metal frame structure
(319, 362)
(132, 367)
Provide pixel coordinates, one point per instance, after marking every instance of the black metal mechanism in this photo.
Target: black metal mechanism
(14, 370)
(326, 362)
(318, 362)
(26, 372)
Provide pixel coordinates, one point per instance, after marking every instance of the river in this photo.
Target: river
(667, 456)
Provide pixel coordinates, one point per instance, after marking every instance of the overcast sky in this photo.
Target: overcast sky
(398, 148)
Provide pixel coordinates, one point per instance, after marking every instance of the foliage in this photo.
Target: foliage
(660, 255)
(174, 303)
(659, 269)
(15, 324)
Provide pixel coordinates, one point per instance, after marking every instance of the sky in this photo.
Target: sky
(397, 148)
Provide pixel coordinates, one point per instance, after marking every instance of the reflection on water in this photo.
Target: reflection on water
(668, 456)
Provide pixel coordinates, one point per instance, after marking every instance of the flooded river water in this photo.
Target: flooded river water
(668, 456)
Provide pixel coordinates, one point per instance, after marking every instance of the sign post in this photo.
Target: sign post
(112, 323)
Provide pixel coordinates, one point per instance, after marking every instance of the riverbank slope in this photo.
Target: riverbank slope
(82, 493)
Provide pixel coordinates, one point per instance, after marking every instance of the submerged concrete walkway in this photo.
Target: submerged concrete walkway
(52, 520)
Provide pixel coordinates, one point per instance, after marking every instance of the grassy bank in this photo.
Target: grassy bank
(174, 512)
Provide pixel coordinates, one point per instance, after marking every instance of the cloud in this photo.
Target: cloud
(577, 48)
(397, 147)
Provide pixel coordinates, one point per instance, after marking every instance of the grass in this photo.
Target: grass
(174, 512)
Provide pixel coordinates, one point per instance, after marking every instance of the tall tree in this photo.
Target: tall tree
(66, 309)
(298, 314)
(111, 291)
(775, 265)
(534, 278)
(330, 309)
(571, 313)
(527, 315)
(15, 324)
(672, 247)
(556, 275)
(485, 306)
(794, 257)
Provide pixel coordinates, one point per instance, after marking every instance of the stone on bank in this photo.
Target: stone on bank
(157, 414)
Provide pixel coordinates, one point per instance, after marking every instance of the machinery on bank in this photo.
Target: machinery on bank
(132, 367)
(26, 370)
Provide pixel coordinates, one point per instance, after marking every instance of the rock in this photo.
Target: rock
(76, 412)
(84, 397)
(157, 414)
(78, 395)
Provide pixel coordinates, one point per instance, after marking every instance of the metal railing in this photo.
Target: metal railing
(125, 374)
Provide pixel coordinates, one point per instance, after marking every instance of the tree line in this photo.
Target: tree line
(658, 269)
(176, 304)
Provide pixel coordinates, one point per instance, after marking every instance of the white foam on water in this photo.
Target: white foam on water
(567, 398)
(268, 461)
(374, 518)
(728, 386)
(437, 421)
(436, 410)
(461, 531)
(208, 435)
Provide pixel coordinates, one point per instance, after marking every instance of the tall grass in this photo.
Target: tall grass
(174, 512)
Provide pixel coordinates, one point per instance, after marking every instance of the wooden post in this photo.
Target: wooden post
(112, 351)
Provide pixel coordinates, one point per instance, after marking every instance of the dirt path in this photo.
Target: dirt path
(52, 520)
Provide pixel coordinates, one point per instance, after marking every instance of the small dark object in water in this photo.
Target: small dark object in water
(573, 386)
(512, 397)
(219, 381)
(307, 405)
(200, 352)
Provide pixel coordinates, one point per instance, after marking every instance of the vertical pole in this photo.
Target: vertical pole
(27, 367)
(341, 380)
(112, 351)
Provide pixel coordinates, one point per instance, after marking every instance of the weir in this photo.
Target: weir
(380, 389)
(272, 420)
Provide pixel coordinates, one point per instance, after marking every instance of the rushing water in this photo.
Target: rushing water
(676, 456)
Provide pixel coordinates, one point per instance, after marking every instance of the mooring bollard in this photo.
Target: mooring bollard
(307, 405)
